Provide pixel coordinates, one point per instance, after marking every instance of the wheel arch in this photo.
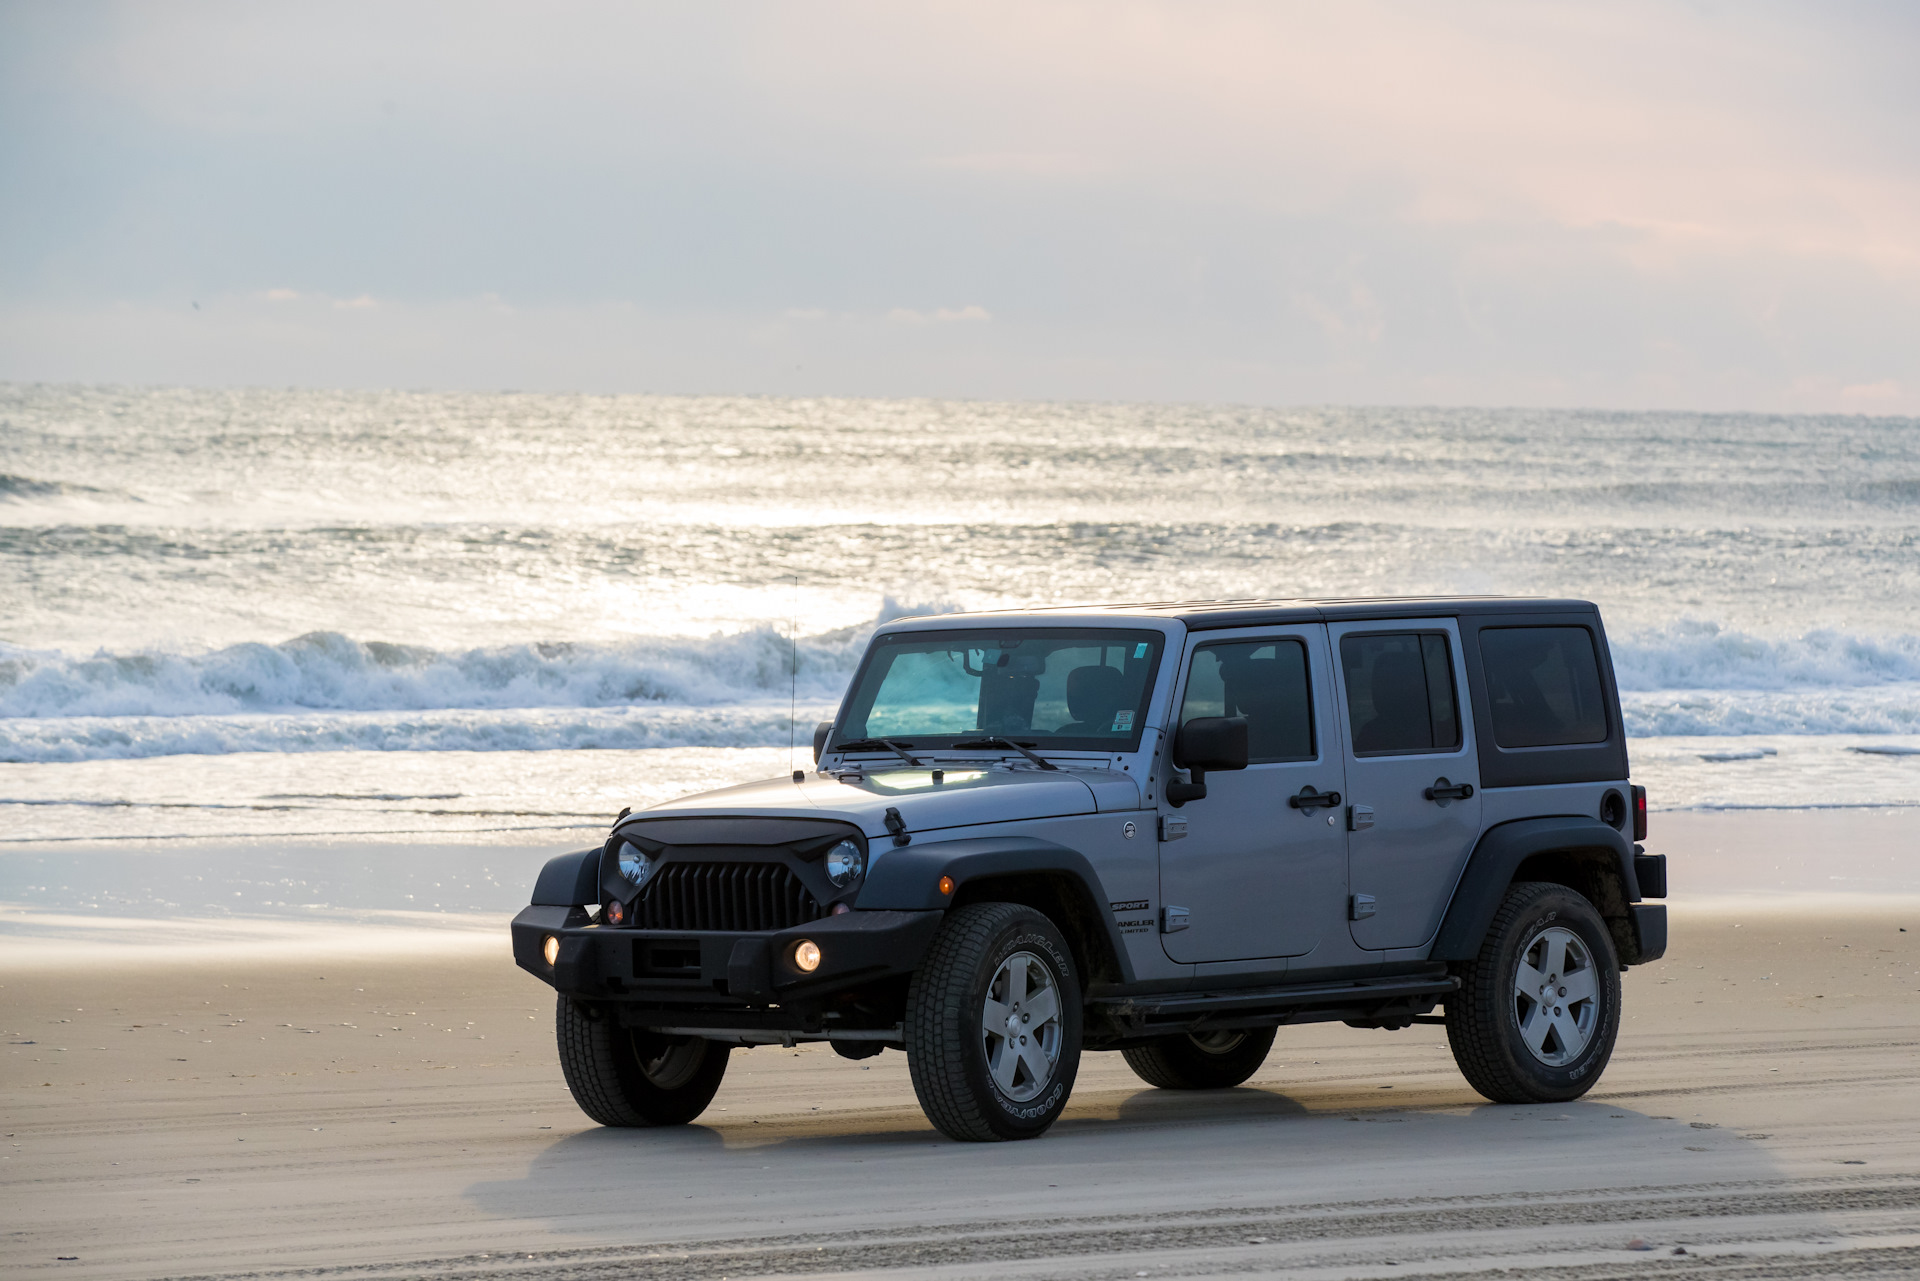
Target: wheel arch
(1579, 852)
(1050, 878)
(569, 880)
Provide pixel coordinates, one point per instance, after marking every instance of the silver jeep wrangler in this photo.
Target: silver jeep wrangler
(1165, 830)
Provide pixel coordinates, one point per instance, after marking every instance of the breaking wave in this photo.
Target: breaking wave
(87, 738)
(328, 692)
(1704, 655)
(325, 671)
(1699, 678)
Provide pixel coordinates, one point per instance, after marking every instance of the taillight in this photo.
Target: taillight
(1639, 813)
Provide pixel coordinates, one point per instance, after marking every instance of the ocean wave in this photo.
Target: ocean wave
(1889, 709)
(90, 738)
(1692, 654)
(331, 672)
(326, 691)
(22, 488)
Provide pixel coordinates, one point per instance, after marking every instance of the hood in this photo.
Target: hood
(966, 797)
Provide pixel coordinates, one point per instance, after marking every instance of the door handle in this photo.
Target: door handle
(1310, 799)
(1444, 791)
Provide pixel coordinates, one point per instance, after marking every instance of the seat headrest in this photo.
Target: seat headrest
(1095, 693)
(1399, 685)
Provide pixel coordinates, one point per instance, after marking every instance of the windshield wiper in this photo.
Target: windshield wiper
(875, 744)
(993, 740)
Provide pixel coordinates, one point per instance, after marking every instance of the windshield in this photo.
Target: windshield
(1073, 688)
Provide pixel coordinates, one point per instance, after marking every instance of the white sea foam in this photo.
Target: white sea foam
(84, 738)
(325, 670)
(327, 692)
(1693, 654)
(1694, 678)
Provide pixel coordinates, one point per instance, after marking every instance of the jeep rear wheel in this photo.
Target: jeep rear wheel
(634, 1076)
(993, 1024)
(1537, 1011)
(1201, 1060)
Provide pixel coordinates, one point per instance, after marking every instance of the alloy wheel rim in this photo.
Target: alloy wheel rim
(1020, 1027)
(1556, 996)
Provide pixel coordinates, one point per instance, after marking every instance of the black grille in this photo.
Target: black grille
(726, 896)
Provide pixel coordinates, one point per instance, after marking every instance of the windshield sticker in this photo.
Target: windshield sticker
(1140, 650)
(1121, 721)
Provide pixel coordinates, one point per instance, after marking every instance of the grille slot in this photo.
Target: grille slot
(726, 896)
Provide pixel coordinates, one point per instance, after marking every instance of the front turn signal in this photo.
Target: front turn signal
(946, 885)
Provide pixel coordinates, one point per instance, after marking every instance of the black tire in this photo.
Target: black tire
(1207, 1061)
(952, 1055)
(633, 1076)
(1499, 1008)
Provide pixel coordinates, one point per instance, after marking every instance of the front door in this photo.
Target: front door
(1410, 759)
(1258, 878)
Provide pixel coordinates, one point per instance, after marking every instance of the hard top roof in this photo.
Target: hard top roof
(1212, 615)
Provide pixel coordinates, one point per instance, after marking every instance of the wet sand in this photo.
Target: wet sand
(402, 1115)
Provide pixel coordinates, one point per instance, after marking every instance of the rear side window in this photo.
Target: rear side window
(1400, 694)
(1264, 681)
(1543, 686)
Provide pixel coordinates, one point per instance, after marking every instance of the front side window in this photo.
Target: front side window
(1075, 688)
(1400, 696)
(1264, 681)
(1543, 686)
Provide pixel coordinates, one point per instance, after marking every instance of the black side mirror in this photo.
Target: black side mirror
(820, 734)
(1206, 743)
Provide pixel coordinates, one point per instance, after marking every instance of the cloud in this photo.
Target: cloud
(1885, 394)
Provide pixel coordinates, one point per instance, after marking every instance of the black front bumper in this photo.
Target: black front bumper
(712, 970)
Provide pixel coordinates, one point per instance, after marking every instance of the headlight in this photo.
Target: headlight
(635, 866)
(845, 862)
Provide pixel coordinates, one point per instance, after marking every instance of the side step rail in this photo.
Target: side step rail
(1270, 1004)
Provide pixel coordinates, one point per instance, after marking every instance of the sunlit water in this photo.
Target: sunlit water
(278, 615)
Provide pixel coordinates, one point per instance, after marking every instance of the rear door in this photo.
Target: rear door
(1257, 877)
(1410, 761)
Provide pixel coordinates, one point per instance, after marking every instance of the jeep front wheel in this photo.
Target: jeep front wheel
(1537, 1011)
(634, 1076)
(993, 1024)
(1200, 1060)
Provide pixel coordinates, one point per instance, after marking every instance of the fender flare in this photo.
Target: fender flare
(907, 877)
(1498, 856)
(569, 880)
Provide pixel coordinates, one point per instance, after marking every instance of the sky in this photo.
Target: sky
(1628, 205)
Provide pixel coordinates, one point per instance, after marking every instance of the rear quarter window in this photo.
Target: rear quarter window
(1543, 686)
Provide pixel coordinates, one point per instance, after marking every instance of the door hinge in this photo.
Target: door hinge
(1359, 817)
(1172, 828)
(1173, 920)
(1360, 907)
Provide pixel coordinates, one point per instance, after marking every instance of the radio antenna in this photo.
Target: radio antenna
(793, 669)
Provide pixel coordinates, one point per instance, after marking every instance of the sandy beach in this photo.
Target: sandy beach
(388, 1113)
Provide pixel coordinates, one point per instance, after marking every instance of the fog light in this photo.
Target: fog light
(551, 949)
(806, 956)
